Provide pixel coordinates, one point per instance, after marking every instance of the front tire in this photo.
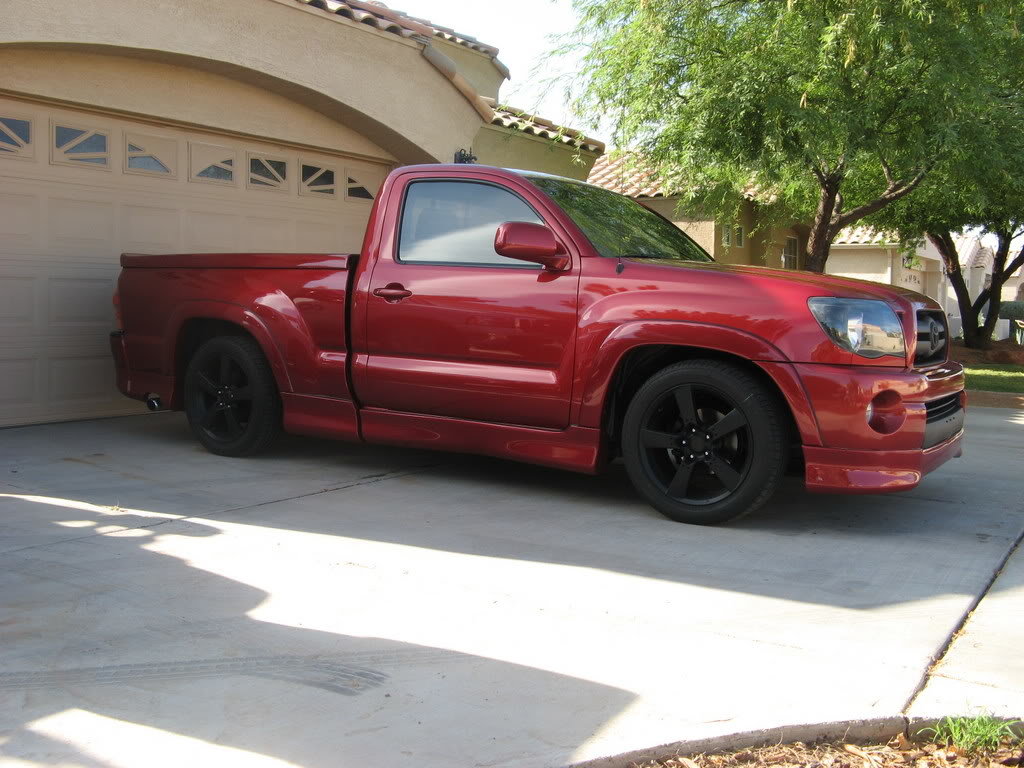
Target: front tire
(231, 398)
(705, 442)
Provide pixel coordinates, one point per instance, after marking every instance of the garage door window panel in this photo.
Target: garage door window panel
(355, 187)
(454, 222)
(151, 156)
(211, 163)
(15, 137)
(267, 172)
(317, 180)
(81, 146)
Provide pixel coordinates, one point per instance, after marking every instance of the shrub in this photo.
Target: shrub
(1011, 310)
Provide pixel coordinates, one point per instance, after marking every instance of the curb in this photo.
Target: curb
(878, 729)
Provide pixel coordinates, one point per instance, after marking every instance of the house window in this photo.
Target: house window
(267, 172)
(150, 155)
(74, 145)
(727, 236)
(790, 252)
(317, 181)
(211, 164)
(738, 236)
(356, 190)
(15, 137)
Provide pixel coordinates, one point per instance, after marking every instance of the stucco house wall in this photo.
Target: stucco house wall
(176, 94)
(703, 231)
(320, 60)
(511, 148)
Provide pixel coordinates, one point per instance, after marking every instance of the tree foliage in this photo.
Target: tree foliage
(830, 109)
(979, 191)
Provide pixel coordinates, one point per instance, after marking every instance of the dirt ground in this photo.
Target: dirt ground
(899, 753)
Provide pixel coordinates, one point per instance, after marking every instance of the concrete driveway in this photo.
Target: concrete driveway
(336, 605)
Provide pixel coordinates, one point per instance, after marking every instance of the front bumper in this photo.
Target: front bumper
(845, 471)
(913, 425)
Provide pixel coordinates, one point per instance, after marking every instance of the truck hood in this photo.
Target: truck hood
(824, 285)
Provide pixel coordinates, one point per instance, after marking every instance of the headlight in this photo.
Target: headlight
(862, 326)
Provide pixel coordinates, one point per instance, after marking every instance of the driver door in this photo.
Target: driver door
(454, 329)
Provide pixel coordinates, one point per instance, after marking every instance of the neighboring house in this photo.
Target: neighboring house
(211, 126)
(868, 254)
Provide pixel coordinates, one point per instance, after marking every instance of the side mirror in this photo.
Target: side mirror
(527, 241)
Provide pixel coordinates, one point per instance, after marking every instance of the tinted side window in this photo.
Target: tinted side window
(455, 222)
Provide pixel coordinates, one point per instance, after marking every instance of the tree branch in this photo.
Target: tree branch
(891, 195)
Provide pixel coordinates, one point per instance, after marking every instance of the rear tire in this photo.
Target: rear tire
(705, 442)
(231, 398)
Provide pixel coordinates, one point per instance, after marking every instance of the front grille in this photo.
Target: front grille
(943, 419)
(932, 337)
(937, 410)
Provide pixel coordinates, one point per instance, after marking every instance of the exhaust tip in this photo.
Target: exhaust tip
(153, 403)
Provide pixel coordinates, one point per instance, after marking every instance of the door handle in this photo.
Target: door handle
(392, 292)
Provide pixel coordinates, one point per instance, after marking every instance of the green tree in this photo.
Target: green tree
(986, 194)
(831, 109)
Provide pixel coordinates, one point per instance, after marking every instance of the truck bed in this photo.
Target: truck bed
(294, 304)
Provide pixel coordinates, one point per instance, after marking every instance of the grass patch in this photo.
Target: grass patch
(995, 378)
(972, 735)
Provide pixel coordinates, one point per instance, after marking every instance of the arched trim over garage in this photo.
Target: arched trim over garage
(377, 83)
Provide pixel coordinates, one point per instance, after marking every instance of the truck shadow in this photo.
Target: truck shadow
(847, 551)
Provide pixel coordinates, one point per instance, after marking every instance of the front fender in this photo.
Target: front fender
(595, 381)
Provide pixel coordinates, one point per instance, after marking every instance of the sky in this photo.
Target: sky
(522, 31)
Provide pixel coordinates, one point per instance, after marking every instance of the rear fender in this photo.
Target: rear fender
(267, 325)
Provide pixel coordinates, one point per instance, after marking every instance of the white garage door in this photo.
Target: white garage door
(78, 188)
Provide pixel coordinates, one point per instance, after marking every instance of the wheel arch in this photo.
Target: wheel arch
(606, 398)
(193, 329)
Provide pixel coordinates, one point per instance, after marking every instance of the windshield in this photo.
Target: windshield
(617, 225)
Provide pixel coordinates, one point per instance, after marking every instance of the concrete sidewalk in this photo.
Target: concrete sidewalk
(335, 605)
(983, 670)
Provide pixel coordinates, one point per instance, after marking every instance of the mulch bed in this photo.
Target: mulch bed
(899, 753)
(994, 399)
(1006, 352)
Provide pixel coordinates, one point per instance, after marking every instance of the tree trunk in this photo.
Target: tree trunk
(995, 292)
(969, 311)
(819, 241)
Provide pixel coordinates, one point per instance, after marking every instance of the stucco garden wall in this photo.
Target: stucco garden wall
(860, 263)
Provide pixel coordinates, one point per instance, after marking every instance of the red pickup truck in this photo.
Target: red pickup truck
(542, 319)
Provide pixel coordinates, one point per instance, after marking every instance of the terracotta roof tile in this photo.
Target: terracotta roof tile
(863, 235)
(510, 117)
(621, 174)
(379, 16)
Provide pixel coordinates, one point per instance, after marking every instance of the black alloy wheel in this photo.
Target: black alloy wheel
(230, 397)
(704, 441)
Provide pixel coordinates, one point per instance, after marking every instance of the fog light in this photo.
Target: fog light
(886, 413)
